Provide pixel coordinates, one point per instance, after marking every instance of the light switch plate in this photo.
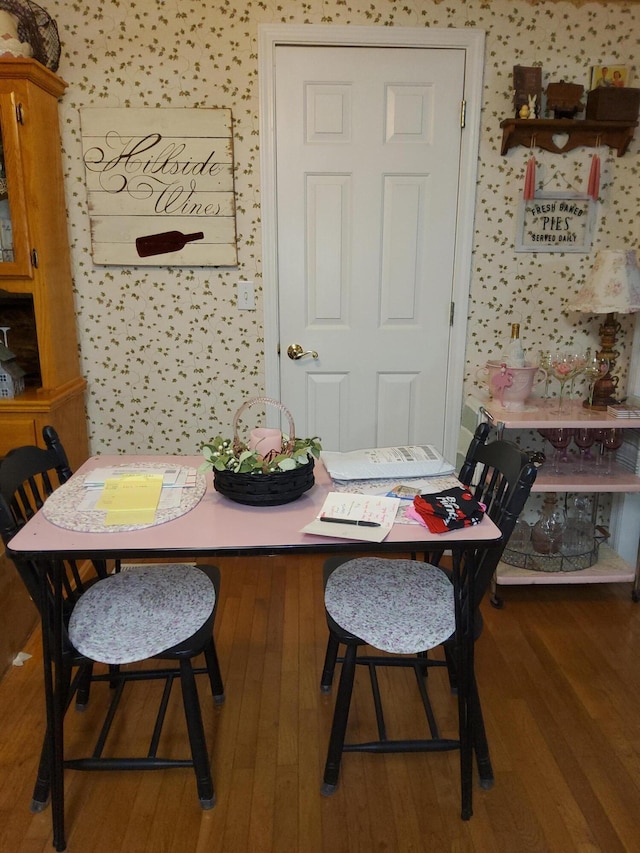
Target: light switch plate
(246, 296)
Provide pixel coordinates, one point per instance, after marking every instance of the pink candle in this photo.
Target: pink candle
(264, 440)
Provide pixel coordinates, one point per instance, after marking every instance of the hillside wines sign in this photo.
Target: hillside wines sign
(160, 186)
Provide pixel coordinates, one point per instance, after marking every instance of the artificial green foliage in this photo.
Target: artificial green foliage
(220, 455)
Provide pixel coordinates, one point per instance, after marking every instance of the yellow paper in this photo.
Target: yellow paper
(131, 499)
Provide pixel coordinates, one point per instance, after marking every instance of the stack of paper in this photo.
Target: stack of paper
(131, 499)
(172, 478)
(628, 455)
(622, 410)
(353, 516)
(132, 502)
(384, 462)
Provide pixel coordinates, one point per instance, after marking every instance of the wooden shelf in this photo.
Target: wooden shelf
(541, 413)
(610, 568)
(540, 132)
(618, 480)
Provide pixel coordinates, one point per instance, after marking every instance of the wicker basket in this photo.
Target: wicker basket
(275, 489)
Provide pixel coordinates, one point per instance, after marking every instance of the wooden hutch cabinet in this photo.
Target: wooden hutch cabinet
(36, 296)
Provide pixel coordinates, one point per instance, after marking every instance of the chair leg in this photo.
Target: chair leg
(340, 718)
(480, 743)
(42, 789)
(213, 670)
(424, 669)
(329, 664)
(197, 740)
(84, 686)
(450, 658)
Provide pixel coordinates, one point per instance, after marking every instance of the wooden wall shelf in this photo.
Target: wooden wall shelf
(540, 132)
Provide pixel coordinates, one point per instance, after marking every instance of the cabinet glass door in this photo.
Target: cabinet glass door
(15, 261)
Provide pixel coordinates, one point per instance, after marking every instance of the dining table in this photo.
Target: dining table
(202, 523)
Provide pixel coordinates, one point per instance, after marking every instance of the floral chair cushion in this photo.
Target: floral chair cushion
(141, 612)
(399, 606)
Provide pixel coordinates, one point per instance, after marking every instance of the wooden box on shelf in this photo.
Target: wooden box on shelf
(613, 104)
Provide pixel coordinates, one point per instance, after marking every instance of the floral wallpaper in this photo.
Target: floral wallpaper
(167, 356)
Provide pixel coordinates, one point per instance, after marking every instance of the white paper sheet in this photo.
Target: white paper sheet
(348, 509)
(385, 462)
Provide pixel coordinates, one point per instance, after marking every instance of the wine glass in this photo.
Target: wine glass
(544, 361)
(584, 438)
(611, 440)
(560, 438)
(578, 360)
(595, 369)
(598, 438)
(561, 369)
(578, 537)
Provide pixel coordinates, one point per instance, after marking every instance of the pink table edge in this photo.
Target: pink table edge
(218, 525)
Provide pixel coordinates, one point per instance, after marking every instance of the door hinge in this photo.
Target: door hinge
(34, 258)
(19, 114)
(463, 113)
(452, 311)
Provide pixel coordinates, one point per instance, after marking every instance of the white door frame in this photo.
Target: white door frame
(469, 40)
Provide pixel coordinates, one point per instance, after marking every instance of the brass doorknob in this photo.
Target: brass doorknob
(295, 351)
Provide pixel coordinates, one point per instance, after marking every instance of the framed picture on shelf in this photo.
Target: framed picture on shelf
(609, 76)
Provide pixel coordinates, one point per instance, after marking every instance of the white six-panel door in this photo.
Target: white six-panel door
(367, 154)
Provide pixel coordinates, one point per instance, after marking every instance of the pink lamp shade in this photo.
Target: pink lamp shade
(613, 285)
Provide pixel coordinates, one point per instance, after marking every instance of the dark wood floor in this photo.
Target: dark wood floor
(559, 673)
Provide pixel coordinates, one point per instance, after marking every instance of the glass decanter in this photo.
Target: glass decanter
(546, 535)
(579, 534)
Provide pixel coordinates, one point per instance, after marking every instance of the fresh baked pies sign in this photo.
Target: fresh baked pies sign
(160, 186)
(555, 222)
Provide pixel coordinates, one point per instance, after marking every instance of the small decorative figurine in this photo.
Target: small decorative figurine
(11, 374)
(502, 380)
(532, 106)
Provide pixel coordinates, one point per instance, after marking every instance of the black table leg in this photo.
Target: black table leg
(463, 573)
(51, 591)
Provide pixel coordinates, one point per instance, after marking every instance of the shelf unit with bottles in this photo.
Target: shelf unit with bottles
(610, 567)
(36, 289)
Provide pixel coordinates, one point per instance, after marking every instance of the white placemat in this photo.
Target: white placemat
(61, 508)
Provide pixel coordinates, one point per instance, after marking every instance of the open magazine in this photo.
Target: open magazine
(386, 462)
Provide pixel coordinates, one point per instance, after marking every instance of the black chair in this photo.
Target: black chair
(163, 611)
(405, 608)
(433, 556)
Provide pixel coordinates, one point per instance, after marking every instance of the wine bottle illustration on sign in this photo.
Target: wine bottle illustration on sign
(167, 241)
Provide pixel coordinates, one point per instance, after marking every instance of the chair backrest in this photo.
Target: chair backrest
(500, 475)
(28, 475)
(468, 469)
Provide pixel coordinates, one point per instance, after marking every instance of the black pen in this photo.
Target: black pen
(350, 521)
